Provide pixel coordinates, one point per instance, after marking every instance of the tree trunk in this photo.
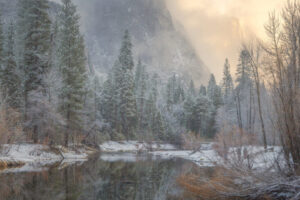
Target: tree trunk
(67, 134)
(35, 134)
(261, 115)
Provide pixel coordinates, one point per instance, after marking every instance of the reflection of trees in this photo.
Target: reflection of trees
(95, 180)
(136, 181)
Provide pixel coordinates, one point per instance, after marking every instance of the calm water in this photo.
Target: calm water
(110, 177)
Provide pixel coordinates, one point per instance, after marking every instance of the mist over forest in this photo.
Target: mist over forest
(105, 81)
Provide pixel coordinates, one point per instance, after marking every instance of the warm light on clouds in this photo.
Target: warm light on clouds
(217, 28)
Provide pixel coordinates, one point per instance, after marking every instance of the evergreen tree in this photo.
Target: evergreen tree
(214, 92)
(125, 88)
(22, 30)
(54, 53)
(201, 115)
(227, 84)
(243, 73)
(202, 90)
(169, 96)
(149, 115)
(138, 74)
(117, 78)
(54, 79)
(188, 112)
(1, 42)
(36, 62)
(158, 127)
(153, 87)
(192, 90)
(179, 94)
(73, 70)
(107, 100)
(96, 87)
(140, 87)
(244, 94)
(10, 81)
(226, 116)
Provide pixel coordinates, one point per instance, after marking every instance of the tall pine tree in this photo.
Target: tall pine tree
(1, 42)
(227, 83)
(214, 91)
(244, 94)
(10, 81)
(140, 87)
(73, 70)
(125, 83)
(36, 62)
(192, 90)
(202, 90)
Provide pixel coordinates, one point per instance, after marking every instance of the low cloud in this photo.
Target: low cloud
(217, 28)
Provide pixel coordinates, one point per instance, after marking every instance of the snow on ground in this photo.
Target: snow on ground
(257, 157)
(81, 153)
(202, 158)
(164, 151)
(40, 157)
(134, 146)
(37, 157)
(29, 153)
(254, 156)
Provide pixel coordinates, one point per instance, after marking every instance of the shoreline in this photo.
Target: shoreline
(23, 157)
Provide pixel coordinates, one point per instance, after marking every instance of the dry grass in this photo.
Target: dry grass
(214, 188)
(229, 184)
(236, 178)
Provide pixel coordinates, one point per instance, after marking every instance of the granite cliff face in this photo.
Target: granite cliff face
(156, 41)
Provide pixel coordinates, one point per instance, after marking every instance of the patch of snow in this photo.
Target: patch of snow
(36, 157)
(203, 158)
(29, 153)
(134, 146)
(72, 155)
(259, 158)
(208, 157)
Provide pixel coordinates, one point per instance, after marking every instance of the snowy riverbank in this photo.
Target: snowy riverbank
(127, 151)
(134, 146)
(35, 157)
(31, 157)
(256, 157)
(253, 156)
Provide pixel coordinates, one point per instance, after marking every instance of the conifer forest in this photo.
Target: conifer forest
(149, 99)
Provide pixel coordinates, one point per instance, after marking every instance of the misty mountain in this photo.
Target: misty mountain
(156, 41)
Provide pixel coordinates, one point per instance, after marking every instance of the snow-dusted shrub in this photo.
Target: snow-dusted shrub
(233, 137)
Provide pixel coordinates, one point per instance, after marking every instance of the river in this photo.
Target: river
(104, 177)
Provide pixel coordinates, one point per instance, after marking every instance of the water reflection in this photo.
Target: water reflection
(109, 179)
